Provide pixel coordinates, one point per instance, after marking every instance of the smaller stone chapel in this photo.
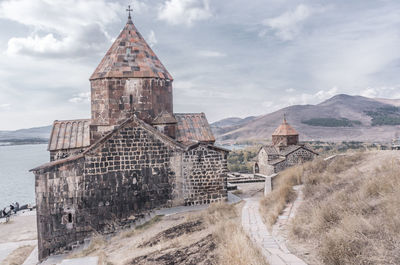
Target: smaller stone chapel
(285, 151)
(132, 156)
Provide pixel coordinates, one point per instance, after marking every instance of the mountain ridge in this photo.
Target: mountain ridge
(357, 113)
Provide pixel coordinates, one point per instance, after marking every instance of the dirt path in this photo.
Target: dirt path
(272, 248)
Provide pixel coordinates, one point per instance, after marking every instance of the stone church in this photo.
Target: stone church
(133, 155)
(285, 151)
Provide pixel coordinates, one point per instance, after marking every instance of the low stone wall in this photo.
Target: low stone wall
(268, 186)
(205, 173)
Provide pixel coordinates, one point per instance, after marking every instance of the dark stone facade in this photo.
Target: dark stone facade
(131, 171)
(205, 168)
(283, 140)
(115, 99)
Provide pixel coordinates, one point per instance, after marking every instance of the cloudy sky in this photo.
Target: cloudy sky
(228, 57)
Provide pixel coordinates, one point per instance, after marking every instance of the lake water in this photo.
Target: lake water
(17, 184)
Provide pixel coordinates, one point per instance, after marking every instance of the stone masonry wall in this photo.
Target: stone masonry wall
(131, 173)
(280, 166)
(285, 139)
(205, 172)
(113, 99)
(262, 162)
(64, 153)
(299, 156)
(57, 198)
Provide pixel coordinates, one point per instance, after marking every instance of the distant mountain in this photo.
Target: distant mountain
(22, 136)
(340, 118)
(231, 122)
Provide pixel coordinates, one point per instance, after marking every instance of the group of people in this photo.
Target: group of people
(7, 211)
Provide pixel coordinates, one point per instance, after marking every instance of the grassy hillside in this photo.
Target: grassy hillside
(389, 115)
(351, 211)
(331, 122)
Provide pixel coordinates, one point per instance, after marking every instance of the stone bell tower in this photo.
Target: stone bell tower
(130, 79)
(285, 135)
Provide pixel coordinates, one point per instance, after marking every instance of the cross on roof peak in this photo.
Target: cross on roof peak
(129, 11)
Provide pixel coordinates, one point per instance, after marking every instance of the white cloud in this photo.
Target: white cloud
(68, 26)
(5, 106)
(212, 54)
(325, 94)
(80, 98)
(151, 38)
(138, 7)
(290, 90)
(37, 44)
(308, 98)
(288, 25)
(369, 93)
(185, 12)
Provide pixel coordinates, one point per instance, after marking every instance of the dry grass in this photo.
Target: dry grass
(220, 222)
(274, 203)
(131, 232)
(97, 243)
(18, 256)
(219, 213)
(311, 173)
(234, 247)
(352, 216)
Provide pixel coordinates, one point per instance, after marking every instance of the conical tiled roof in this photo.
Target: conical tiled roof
(285, 129)
(130, 56)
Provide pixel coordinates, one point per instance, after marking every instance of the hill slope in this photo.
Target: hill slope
(32, 133)
(340, 118)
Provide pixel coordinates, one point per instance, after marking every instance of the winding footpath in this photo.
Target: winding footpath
(272, 246)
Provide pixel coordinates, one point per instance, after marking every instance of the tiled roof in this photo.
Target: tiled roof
(164, 118)
(69, 134)
(193, 127)
(130, 56)
(277, 161)
(290, 149)
(285, 129)
(270, 150)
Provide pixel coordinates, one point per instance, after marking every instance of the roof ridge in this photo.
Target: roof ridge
(188, 113)
(72, 120)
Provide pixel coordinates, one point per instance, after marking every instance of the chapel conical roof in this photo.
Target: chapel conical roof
(130, 56)
(285, 129)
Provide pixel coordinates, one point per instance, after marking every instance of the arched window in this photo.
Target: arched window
(70, 218)
(130, 99)
(256, 169)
